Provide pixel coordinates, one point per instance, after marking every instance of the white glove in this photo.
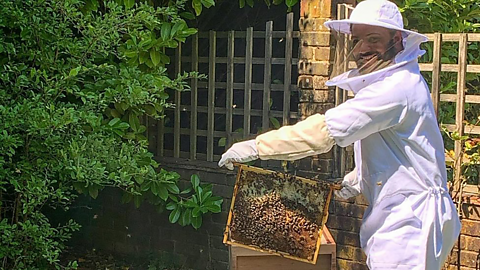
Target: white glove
(239, 152)
(351, 186)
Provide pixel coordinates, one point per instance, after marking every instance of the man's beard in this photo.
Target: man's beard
(372, 61)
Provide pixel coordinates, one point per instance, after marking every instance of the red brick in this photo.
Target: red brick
(316, 9)
(467, 258)
(308, 109)
(350, 253)
(319, 82)
(322, 165)
(344, 223)
(305, 82)
(470, 243)
(306, 52)
(312, 24)
(307, 67)
(471, 211)
(323, 53)
(470, 227)
(317, 96)
(350, 265)
(345, 238)
(315, 38)
(349, 209)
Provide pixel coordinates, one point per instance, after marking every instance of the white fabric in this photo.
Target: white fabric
(411, 52)
(411, 221)
(373, 12)
(350, 186)
(306, 138)
(240, 152)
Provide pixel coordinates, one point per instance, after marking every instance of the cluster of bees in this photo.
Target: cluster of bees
(271, 223)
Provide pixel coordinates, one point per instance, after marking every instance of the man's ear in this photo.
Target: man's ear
(397, 37)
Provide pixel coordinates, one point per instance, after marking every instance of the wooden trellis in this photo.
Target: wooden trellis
(190, 59)
(462, 68)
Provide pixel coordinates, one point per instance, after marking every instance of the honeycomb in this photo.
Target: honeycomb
(278, 213)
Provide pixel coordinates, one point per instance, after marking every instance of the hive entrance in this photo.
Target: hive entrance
(278, 213)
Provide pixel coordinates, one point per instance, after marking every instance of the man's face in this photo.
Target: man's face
(374, 45)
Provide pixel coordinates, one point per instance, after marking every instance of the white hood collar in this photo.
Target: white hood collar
(411, 52)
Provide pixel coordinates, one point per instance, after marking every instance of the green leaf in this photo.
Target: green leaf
(131, 54)
(187, 216)
(174, 215)
(208, 3)
(134, 122)
(200, 193)
(190, 203)
(126, 197)
(176, 27)
(165, 30)
(173, 188)
(195, 180)
(137, 200)
(290, 3)
(275, 122)
(241, 3)
(187, 15)
(250, 3)
(196, 211)
(162, 192)
(189, 32)
(206, 195)
(197, 222)
(113, 121)
(171, 206)
(74, 71)
(214, 208)
(128, 3)
(186, 191)
(173, 197)
(93, 191)
(139, 180)
(155, 56)
(222, 142)
(197, 6)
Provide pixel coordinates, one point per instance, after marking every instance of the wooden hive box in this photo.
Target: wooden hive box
(247, 259)
(274, 213)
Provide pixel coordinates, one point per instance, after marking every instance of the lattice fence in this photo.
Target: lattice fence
(251, 87)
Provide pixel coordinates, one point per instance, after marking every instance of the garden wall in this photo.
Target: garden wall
(468, 257)
(110, 226)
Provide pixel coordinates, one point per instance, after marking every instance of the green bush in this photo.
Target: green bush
(75, 78)
(458, 16)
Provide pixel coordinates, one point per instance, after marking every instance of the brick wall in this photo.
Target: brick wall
(111, 226)
(315, 57)
(468, 257)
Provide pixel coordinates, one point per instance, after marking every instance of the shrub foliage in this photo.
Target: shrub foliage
(75, 79)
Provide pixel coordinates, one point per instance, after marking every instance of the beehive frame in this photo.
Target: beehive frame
(320, 218)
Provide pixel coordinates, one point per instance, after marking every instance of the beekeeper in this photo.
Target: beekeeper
(411, 221)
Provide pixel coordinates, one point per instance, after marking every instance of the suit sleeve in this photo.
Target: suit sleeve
(306, 138)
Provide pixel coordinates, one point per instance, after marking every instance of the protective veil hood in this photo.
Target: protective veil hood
(381, 13)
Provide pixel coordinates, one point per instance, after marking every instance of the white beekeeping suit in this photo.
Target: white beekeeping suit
(411, 221)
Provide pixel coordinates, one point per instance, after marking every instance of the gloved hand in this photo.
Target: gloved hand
(351, 186)
(239, 152)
